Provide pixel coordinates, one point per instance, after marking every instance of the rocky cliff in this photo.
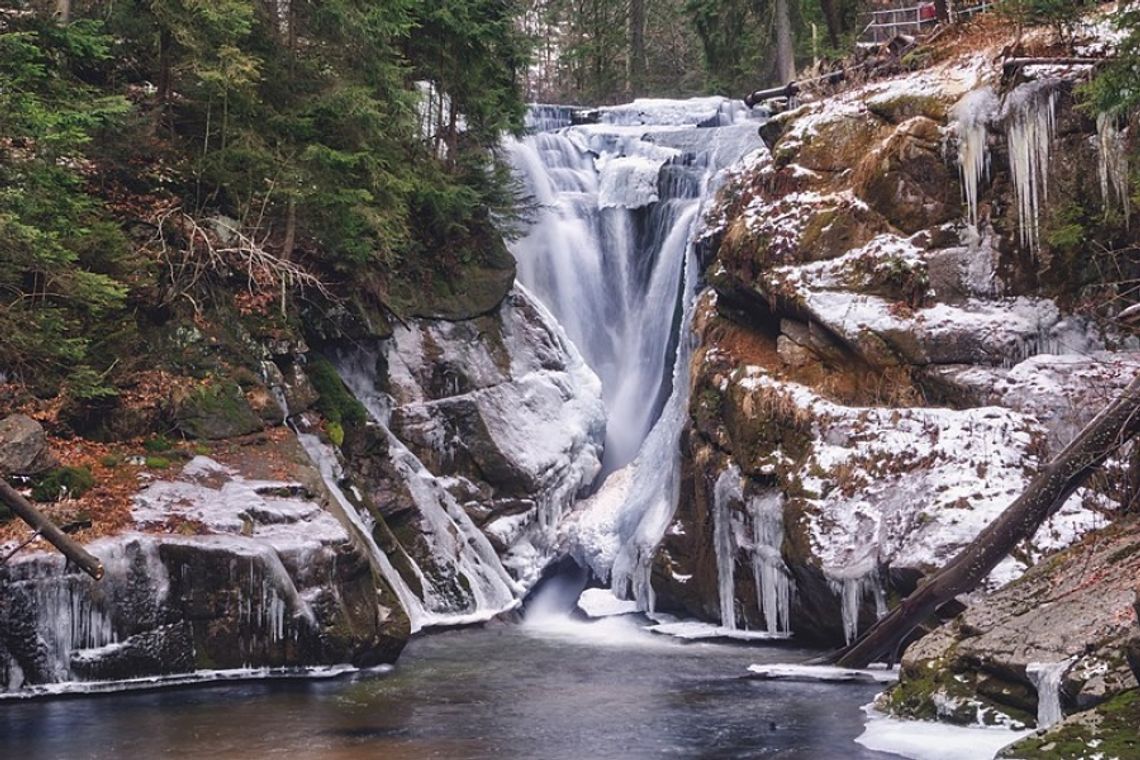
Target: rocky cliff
(913, 303)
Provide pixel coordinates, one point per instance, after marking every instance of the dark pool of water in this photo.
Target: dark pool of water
(553, 690)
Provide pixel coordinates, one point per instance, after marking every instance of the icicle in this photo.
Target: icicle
(972, 114)
(726, 491)
(1031, 114)
(1046, 678)
(1113, 165)
(773, 584)
(851, 589)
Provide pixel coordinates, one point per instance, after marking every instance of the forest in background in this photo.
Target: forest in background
(278, 164)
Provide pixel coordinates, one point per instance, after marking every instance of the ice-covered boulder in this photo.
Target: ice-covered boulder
(486, 432)
(222, 576)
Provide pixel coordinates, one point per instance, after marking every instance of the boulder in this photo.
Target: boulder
(214, 411)
(23, 446)
(907, 180)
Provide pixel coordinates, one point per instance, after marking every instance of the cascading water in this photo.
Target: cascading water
(611, 256)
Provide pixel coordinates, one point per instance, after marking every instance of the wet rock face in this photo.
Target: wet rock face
(255, 574)
(500, 411)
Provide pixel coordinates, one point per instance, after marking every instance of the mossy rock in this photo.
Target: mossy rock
(63, 482)
(1109, 730)
(907, 181)
(471, 289)
(334, 401)
(899, 108)
(837, 145)
(833, 231)
(214, 411)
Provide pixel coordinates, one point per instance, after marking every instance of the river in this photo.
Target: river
(555, 688)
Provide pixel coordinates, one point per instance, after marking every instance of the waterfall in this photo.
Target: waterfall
(1113, 162)
(1046, 678)
(773, 583)
(726, 490)
(1030, 115)
(611, 255)
(972, 115)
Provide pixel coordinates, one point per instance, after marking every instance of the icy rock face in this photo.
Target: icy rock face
(266, 578)
(485, 433)
(889, 363)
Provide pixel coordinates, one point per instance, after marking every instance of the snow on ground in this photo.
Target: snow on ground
(925, 740)
(823, 673)
(221, 501)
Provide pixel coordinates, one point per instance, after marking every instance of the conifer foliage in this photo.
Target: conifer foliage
(128, 128)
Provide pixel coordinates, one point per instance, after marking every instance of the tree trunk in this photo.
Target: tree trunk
(785, 55)
(637, 60)
(23, 509)
(831, 16)
(63, 11)
(1110, 430)
(290, 230)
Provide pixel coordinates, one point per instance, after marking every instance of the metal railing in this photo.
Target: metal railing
(888, 23)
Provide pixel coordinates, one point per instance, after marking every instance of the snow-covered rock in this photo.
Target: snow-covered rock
(222, 575)
(484, 434)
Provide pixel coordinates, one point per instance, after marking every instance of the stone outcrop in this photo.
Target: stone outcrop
(881, 366)
(487, 431)
(223, 572)
(1077, 608)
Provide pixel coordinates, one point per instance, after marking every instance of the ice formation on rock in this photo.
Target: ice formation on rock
(1113, 163)
(773, 584)
(726, 491)
(972, 114)
(1030, 117)
(1046, 678)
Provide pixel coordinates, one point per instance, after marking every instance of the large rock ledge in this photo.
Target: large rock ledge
(223, 573)
(1078, 610)
(882, 367)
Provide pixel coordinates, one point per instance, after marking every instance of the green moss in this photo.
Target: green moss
(157, 444)
(63, 482)
(157, 463)
(1110, 727)
(111, 460)
(1122, 554)
(335, 402)
(336, 433)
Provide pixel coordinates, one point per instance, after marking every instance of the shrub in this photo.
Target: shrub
(63, 482)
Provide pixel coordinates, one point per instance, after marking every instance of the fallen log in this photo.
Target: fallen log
(1108, 431)
(69, 548)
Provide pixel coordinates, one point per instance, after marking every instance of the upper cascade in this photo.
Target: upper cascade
(611, 254)
(618, 201)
